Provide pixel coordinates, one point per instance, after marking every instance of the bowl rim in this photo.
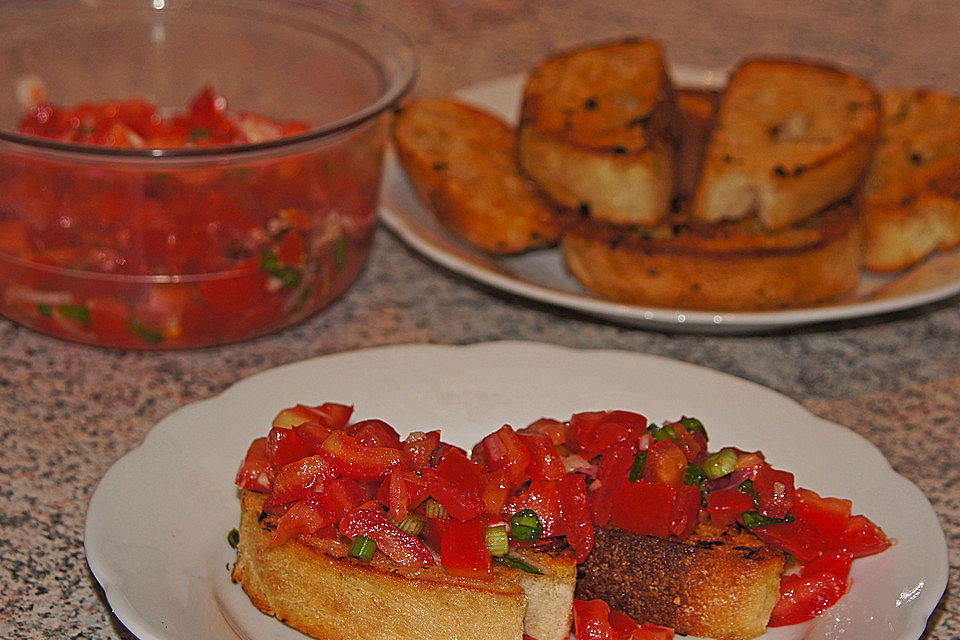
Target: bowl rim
(398, 82)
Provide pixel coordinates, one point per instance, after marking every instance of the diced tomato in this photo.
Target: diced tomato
(463, 550)
(503, 449)
(461, 502)
(284, 447)
(726, 505)
(592, 432)
(612, 470)
(863, 538)
(303, 518)
(833, 562)
(685, 512)
(14, 238)
(290, 250)
(545, 462)
(355, 460)
(693, 448)
(312, 434)
(805, 598)
(644, 507)
(650, 631)
(433, 533)
(796, 538)
(401, 547)
(301, 478)
(666, 463)
(419, 447)
(375, 433)
(623, 625)
(775, 491)
(328, 414)
(496, 490)
(591, 620)
(576, 522)
(829, 516)
(456, 467)
(543, 497)
(256, 473)
(553, 429)
(403, 495)
(341, 496)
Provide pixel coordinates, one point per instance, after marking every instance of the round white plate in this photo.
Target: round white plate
(541, 275)
(156, 530)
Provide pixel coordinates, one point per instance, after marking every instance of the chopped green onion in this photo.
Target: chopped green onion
(513, 562)
(664, 432)
(652, 428)
(233, 538)
(44, 309)
(199, 133)
(720, 464)
(692, 424)
(525, 526)
(269, 261)
(495, 538)
(694, 475)
(76, 312)
(435, 509)
(753, 519)
(289, 277)
(145, 333)
(340, 253)
(747, 487)
(636, 471)
(362, 548)
(412, 524)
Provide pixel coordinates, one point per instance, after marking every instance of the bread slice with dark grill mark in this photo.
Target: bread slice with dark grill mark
(597, 131)
(791, 138)
(719, 583)
(696, 109)
(312, 585)
(462, 162)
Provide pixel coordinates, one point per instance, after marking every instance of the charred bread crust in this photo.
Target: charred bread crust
(696, 110)
(720, 583)
(597, 130)
(791, 137)
(462, 163)
(731, 265)
(313, 586)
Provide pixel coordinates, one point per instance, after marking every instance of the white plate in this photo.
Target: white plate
(157, 524)
(540, 275)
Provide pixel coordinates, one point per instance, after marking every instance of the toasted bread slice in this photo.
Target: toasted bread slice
(790, 139)
(733, 265)
(462, 162)
(596, 131)
(312, 585)
(719, 583)
(910, 193)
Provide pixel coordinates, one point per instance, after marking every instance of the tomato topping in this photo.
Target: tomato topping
(829, 516)
(355, 460)
(312, 434)
(401, 492)
(375, 433)
(419, 447)
(686, 511)
(463, 551)
(545, 462)
(775, 491)
(591, 620)
(402, 548)
(575, 514)
(457, 468)
(284, 447)
(503, 449)
(726, 505)
(496, 490)
(611, 471)
(803, 598)
(666, 463)
(592, 432)
(256, 473)
(553, 429)
(833, 562)
(796, 538)
(302, 478)
(693, 447)
(644, 507)
(341, 496)
(462, 503)
(864, 538)
(543, 498)
(331, 415)
(302, 518)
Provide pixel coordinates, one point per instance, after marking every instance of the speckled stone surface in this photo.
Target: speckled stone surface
(67, 412)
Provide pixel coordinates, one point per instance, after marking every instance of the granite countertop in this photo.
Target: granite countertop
(67, 412)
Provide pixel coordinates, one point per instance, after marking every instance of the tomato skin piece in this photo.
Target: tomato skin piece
(775, 491)
(553, 429)
(796, 538)
(591, 620)
(302, 478)
(374, 433)
(545, 462)
(496, 490)
(576, 522)
(420, 447)
(686, 511)
(462, 503)
(611, 472)
(803, 598)
(312, 434)
(543, 497)
(726, 505)
(463, 551)
(284, 447)
(829, 516)
(410, 496)
(666, 463)
(401, 547)
(644, 507)
(341, 496)
(836, 563)
(862, 537)
(503, 449)
(302, 518)
(355, 460)
(457, 468)
(592, 432)
(256, 473)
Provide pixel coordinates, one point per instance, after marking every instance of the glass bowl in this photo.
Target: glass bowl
(191, 246)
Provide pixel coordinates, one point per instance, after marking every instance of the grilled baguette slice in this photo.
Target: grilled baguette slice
(790, 139)
(737, 265)
(313, 586)
(719, 583)
(462, 162)
(597, 131)
(911, 192)
(696, 109)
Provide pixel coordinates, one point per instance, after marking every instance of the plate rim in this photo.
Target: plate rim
(448, 251)
(144, 629)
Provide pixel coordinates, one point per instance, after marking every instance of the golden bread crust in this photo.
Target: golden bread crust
(719, 583)
(791, 138)
(462, 162)
(597, 130)
(738, 265)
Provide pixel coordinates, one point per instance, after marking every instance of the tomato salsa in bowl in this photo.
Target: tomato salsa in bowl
(180, 174)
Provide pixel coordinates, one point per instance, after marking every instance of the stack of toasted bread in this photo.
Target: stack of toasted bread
(771, 193)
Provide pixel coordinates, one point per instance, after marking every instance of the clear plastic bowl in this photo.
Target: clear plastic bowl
(114, 247)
